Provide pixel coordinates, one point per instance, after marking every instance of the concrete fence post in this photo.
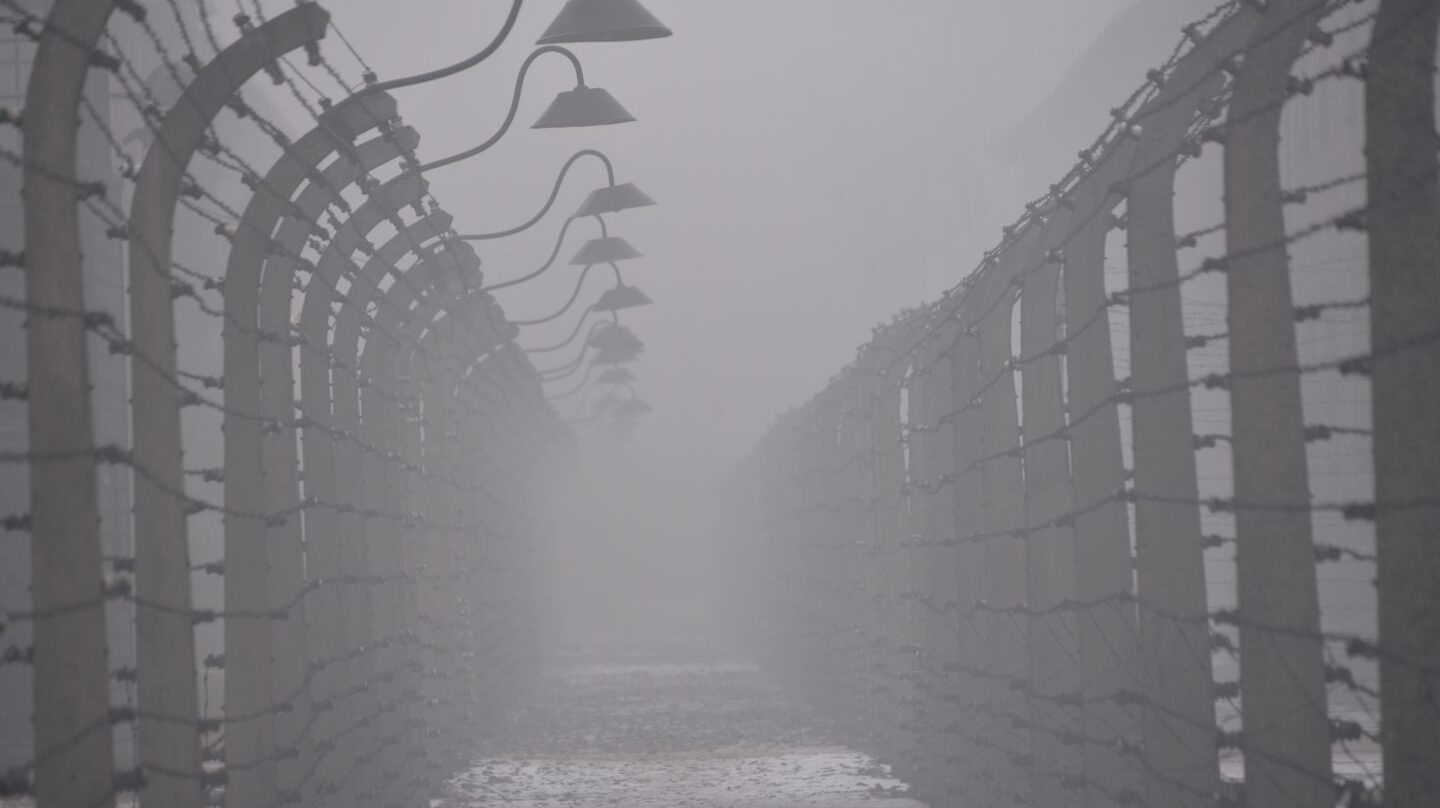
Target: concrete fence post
(169, 738)
(1050, 548)
(338, 611)
(887, 559)
(1005, 628)
(1286, 729)
(1104, 584)
(336, 450)
(1178, 715)
(939, 576)
(973, 762)
(1405, 296)
(71, 674)
(276, 277)
(265, 657)
(381, 362)
(361, 475)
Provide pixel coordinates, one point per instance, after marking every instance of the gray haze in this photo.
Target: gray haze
(819, 163)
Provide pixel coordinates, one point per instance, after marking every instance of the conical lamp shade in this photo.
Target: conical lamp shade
(616, 376)
(604, 251)
(603, 21)
(614, 357)
(622, 297)
(583, 106)
(615, 338)
(614, 199)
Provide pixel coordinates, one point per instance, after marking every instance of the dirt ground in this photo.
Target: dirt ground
(671, 727)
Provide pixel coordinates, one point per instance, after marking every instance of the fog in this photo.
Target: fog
(819, 165)
(1025, 383)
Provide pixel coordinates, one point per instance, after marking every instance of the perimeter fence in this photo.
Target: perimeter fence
(1144, 511)
(277, 542)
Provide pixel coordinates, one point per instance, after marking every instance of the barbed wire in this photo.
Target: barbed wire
(844, 499)
(479, 519)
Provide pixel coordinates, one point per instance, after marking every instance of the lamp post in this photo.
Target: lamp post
(597, 251)
(579, 21)
(581, 107)
(564, 371)
(611, 302)
(611, 198)
(579, 324)
(69, 652)
(608, 250)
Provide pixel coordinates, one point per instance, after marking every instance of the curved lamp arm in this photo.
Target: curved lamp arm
(573, 334)
(604, 231)
(433, 75)
(579, 285)
(514, 106)
(566, 370)
(584, 381)
(554, 193)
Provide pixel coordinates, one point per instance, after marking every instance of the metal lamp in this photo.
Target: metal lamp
(613, 199)
(603, 21)
(615, 338)
(583, 106)
(606, 250)
(622, 297)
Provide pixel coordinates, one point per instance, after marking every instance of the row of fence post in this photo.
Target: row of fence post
(377, 616)
(981, 549)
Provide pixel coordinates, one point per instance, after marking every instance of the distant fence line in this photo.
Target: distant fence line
(380, 450)
(1144, 511)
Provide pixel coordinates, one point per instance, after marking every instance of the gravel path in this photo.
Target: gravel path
(669, 728)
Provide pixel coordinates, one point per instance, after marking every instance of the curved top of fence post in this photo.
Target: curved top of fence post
(409, 327)
(1193, 82)
(394, 309)
(495, 346)
(423, 285)
(321, 289)
(184, 127)
(71, 679)
(243, 326)
(261, 470)
(349, 320)
(336, 130)
(325, 540)
(299, 221)
(1287, 736)
(1181, 765)
(169, 748)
